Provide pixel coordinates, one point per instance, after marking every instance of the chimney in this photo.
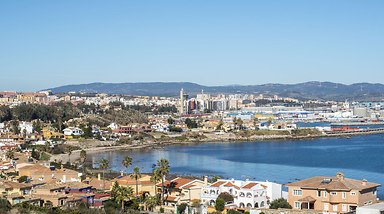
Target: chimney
(98, 176)
(340, 176)
(205, 180)
(64, 178)
(121, 173)
(364, 182)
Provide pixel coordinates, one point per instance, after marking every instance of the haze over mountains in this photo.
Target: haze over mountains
(307, 90)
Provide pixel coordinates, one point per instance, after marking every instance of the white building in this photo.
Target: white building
(27, 126)
(371, 209)
(73, 131)
(247, 194)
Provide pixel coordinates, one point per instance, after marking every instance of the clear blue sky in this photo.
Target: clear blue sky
(47, 43)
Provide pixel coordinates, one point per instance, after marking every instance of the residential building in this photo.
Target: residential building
(181, 190)
(144, 184)
(331, 194)
(371, 209)
(247, 194)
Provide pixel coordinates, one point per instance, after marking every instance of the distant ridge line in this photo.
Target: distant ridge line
(307, 90)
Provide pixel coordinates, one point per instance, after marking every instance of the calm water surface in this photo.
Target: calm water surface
(360, 157)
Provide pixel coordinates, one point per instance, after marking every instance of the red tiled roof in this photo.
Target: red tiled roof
(250, 185)
(218, 183)
(230, 184)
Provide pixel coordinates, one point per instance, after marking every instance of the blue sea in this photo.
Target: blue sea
(282, 161)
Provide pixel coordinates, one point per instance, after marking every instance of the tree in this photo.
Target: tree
(181, 208)
(152, 201)
(163, 170)
(127, 162)
(220, 205)
(83, 157)
(69, 156)
(122, 194)
(156, 177)
(170, 120)
(10, 154)
(5, 206)
(136, 175)
(226, 197)
(103, 164)
(280, 203)
(191, 124)
(37, 126)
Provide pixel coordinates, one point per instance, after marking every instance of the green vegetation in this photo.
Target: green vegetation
(220, 205)
(280, 203)
(226, 197)
(181, 208)
(306, 132)
(191, 124)
(233, 212)
(162, 169)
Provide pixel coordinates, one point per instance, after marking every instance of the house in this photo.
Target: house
(98, 183)
(182, 190)
(49, 133)
(132, 129)
(15, 192)
(331, 194)
(73, 131)
(247, 194)
(144, 184)
(41, 173)
(371, 209)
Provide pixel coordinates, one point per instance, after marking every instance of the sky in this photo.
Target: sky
(45, 43)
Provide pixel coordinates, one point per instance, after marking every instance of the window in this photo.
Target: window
(334, 208)
(325, 194)
(344, 208)
(297, 205)
(318, 193)
(353, 193)
(344, 195)
(326, 206)
(333, 193)
(297, 192)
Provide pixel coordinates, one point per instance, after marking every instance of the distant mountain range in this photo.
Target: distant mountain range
(304, 91)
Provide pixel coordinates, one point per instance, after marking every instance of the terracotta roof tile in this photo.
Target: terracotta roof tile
(333, 183)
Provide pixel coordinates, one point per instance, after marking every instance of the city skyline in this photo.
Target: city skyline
(50, 44)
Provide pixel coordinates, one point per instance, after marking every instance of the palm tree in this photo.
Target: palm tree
(122, 194)
(163, 170)
(83, 156)
(151, 202)
(103, 164)
(69, 156)
(136, 175)
(127, 161)
(155, 177)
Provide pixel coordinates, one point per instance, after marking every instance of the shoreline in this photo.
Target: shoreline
(75, 156)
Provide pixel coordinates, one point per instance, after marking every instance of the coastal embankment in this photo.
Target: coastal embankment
(210, 138)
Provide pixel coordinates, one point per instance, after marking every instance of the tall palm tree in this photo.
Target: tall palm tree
(123, 194)
(136, 175)
(103, 164)
(127, 161)
(83, 157)
(69, 156)
(163, 170)
(156, 177)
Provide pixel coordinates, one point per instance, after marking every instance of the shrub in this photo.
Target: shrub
(280, 203)
(220, 204)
